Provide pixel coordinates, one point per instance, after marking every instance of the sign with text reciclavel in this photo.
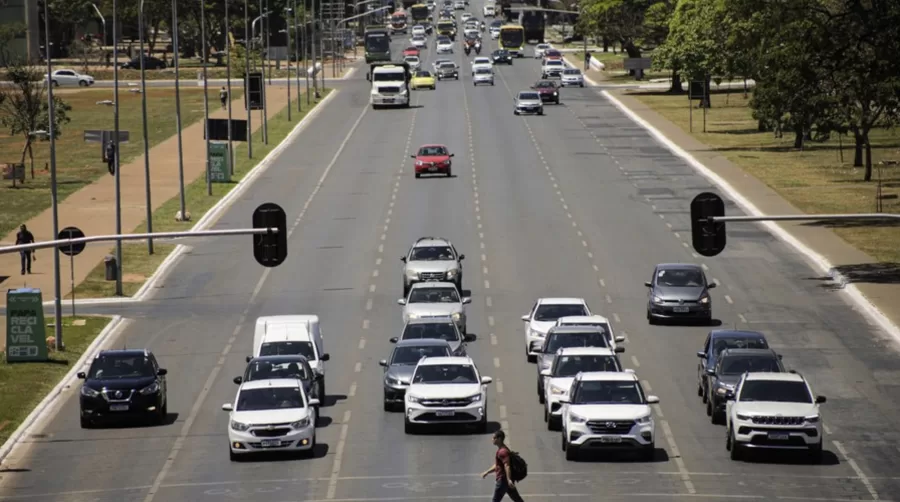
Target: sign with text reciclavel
(25, 331)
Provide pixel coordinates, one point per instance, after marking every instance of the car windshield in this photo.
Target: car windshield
(434, 295)
(550, 312)
(554, 62)
(264, 370)
(558, 341)
(774, 390)
(431, 331)
(408, 356)
(680, 278)
(448, 66)
(572, 71)
(432, 253)
(608, 392)
(418, 38)
(595, 325)
(545, 84)
(273, 398)
(542, 46)
(387, 77)
(445, 373)
(483, 71)
(481, 61)
(121, 366)
(738, 365)
(423, 74)
(553, 54)
(723, 343)
(411, 59)
(444, 39)
(569, 366)
(304, 349)
(527, 96)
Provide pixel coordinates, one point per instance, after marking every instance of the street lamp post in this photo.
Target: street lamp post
(175, 53)
(117, 155)
(313, 29)
(288, 31)
(203, 59)
(144, 119)
(51, 128)
(265, 62)
(267, 29)
(247, 79)
(102, 21)
(228, 84)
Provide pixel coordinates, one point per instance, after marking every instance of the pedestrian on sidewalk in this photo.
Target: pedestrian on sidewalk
(505, 485)
(223, 97)
(110, 155)
(25, 237)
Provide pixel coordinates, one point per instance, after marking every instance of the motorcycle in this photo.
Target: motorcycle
(468, 49)
(478, 48)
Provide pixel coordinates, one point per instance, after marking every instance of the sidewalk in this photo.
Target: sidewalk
(92, 209)
(851, 266)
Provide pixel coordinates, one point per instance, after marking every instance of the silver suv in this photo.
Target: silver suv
(432, 259)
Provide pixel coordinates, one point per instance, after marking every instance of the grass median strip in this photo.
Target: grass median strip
(24, 385)
(137, 265)
(79, 163)
(820, 178)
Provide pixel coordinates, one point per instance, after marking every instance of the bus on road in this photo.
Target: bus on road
(398, 22)
(377, 45)
(419, 13)
(512, 38)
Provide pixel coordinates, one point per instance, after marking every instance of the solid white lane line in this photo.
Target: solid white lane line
(338, 458)
(859, 472)
(728, 299)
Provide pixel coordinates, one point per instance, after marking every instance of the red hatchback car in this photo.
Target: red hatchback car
(410, 51)
(433, 159)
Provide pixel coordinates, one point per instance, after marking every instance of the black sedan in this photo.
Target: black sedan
(501, 56)
(150, 63)
(122, 384)
(288, 366)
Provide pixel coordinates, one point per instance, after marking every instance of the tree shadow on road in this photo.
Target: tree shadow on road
(871, 273)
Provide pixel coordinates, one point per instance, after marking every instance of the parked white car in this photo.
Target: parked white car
(608, 411)
(446, 390)
(70, 77)
(544, 314)
(271, 415)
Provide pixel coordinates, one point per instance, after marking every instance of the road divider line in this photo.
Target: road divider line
(859, 472)
(502, 412)
(488, 301)
(362, 342)
(499, 387)
(357, 368)
(496, 362)
(338, 458)
(352, 390)
(487, 284)
(491, 321)
(369, 304)
(729, 300)
(616, 317)
(493, 338)
(634, 360)
(679, 462)
(742, 318)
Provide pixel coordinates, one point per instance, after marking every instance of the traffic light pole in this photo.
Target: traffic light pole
(806, 217)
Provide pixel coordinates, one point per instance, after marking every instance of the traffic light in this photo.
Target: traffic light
(708, 237)
(270, 249)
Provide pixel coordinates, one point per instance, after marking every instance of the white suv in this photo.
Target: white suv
(446, 390)
(543, 316)
(773, 411)
(567, 363)
(596, 321)
(608, 411)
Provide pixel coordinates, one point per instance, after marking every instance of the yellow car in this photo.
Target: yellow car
(423, 80)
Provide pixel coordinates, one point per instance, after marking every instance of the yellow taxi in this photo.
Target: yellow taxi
(423, 80)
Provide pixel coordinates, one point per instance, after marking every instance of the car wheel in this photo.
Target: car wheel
(408, 427)
(717, 417)
(418, 175)
(732, 446)
(405, 285)
(557, 101)
(86, 423)
(648, 453)
(82, 83)
(815, 453)
(650, 319)
(582, 84)
(700, 392)
(709, 407)
(449, 173)
(458, 283)
(232, 455)
(532, 359)
(322, 390)
(387, 405)
(571, 452)
(515, 112)
(482, 426)
(541, 112)
(547, 417)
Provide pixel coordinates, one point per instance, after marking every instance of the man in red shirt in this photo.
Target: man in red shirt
(505, 485)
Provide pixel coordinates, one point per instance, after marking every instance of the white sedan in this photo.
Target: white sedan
(495, 33)
(70, 77)
(540, 49)
(413, 62)
(445, 46)
(465, 16)
(482, 62)
(418, 30)
(419, 41)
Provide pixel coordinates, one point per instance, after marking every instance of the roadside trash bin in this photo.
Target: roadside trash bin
(112, 270)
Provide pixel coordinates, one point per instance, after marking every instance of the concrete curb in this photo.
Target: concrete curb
(212, 215)
(42, 410)
(816, 260)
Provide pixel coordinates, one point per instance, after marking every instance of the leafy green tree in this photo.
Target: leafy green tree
(621, 20)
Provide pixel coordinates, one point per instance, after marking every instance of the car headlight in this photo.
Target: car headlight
(704, 300)
(545, 364)
(404, 91)
(475, 399)
(555, 93)
(644, 420)
(578, 419)
(536, 333)
(456, 316)
(721, 390)
(300, 424)
(89, 392)
(412, 399)
(811, 419)
(410, 315)
(392, 381)
(657, 300)
(451, 273)
(556, 391)
(153, 388)
(740, 416)
(239, 426)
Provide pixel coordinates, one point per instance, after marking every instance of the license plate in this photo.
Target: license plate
(445, 413)
(388, 100)
(681, 309)
(118, 407)
(779, 436)
(269, 443)
(610, 439)
(432, 169)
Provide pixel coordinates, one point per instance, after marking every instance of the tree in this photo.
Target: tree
(8, 33)
(24, 108)
(621, 20)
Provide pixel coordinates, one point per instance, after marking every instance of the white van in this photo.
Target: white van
(489, 10)
(292, 335)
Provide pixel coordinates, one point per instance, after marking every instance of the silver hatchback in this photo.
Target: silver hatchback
(528, 102)
(483, 76)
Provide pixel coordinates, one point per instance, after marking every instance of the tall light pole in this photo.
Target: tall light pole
(144, 119)
(288, 31)
(306, 51)
(203, 59)
(54, 203)
(102, 21)
(265, 61)
(228, 84)
(247, 79)
(117, 156)
(175, 53)
(313, 27)
(267, 29)
(297, 49)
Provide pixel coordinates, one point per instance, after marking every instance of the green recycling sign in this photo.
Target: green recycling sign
(25, 331)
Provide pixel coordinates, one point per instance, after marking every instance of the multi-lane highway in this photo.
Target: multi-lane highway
(578, 202)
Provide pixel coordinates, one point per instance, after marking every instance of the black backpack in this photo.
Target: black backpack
(517, 467)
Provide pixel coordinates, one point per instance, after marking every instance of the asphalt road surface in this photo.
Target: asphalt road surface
(579, 202)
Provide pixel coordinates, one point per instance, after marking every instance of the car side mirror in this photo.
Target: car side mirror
(619, 339)
(526, 318)
(546, 373)
(383, 363)
(249, 358)
(486, 380)
(652, 400)
(701, 354)
(403, 258)
(466, 300)
(81, 375)
(319, 376)
(462, 257)
(711, 371)
(401, 301)
(314, 402)
(469, 338)
(821, 399)
(238, 380)
(162, 372)
(647, 284)
(779, 356)
(729, 395)
(393, 340)
(453, 155)
(325, 357)
(228, 407)
(619, 350)
(412, 156)
(711, 285)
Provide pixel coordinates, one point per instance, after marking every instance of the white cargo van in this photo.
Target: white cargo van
(292, 335)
